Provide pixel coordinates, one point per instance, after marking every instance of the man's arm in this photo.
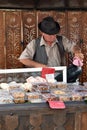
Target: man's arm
(72, 47)
(31, 63)
(27, 56)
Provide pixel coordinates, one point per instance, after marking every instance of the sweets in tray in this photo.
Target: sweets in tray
(42, 87)
(41, 92)
(18, 94)
(34, 97)
(5, 97)
(59, 85)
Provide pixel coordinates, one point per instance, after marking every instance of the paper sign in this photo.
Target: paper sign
(56, 104)
(47, 71)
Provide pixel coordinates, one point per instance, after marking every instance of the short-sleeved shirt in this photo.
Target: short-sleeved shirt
(54, 58)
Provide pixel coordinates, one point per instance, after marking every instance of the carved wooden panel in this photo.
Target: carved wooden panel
(39, 116)
(28, 26)
(84, 121)
(2, 41)
(37, 120)
(74, 27)
(69, 124)
(61, 18)
(84, 44)
(13, 38)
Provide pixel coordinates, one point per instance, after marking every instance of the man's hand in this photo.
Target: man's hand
(79, 55)
(77, 52)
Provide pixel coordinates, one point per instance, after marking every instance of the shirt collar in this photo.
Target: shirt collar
(42, 42)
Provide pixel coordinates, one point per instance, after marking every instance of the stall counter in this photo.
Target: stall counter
(39, 116)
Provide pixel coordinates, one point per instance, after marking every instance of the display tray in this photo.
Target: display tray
(40, 92)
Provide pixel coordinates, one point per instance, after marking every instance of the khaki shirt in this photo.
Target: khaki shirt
(53, 55)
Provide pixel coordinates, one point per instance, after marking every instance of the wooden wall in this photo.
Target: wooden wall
(18, 27)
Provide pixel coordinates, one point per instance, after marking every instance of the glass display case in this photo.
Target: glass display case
(20, 85)
(20, 75)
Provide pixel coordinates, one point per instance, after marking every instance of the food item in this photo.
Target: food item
(19, 100)
(4, 86)
(6, 100)
(33, 95)
(61, 85)
(76, 97)
(43, 88)
(49, 97)
(27, 87)
(5, 97)
(64, 98)
(58, 85)
(37, 79)
(19, 96)
(58, 92)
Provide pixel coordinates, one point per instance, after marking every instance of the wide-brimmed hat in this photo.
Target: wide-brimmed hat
(49, 26)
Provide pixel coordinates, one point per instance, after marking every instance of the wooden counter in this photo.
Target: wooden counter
(40, 117)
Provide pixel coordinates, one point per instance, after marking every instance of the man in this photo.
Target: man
(49, 50)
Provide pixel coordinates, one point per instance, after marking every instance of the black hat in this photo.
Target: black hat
(49, 26)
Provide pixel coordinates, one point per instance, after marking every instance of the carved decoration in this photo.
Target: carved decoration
(2, 41)
(61, 18)
(74, 26)
(35, 121)
(11, 122)
(29, 26)
(13, 48)
(84, 45)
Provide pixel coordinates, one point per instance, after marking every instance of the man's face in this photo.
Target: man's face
(49, 38)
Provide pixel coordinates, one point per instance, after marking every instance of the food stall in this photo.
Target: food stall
(18, 20)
